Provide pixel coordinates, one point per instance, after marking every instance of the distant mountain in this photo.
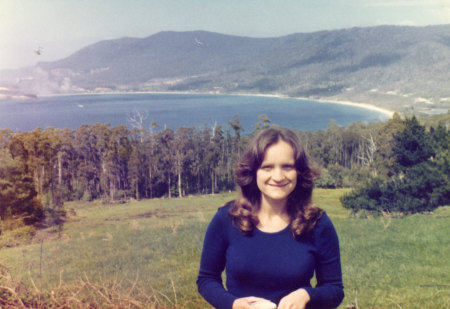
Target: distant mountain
(400, 68)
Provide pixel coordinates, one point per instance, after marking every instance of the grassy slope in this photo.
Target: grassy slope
(150, 250)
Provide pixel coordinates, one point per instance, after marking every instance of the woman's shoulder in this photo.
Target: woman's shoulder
(225, 209)
(324, 219)
(324, 226)
(221, 221)
(222, 213)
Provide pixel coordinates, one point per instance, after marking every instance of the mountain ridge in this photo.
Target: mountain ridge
(402, 68)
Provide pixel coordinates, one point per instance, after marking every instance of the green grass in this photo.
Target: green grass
(149, 250)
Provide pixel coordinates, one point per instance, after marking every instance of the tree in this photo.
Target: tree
(237, 128)
(183, 155)
(384, 158)
(166, 157)
(213, 157)
(88, 162)
(411, 145)
(5, 137)
(18, 197)
(264, 123)
(135, 163)
(121, 138)
(67, 163)
(150, 158)
(39, 160)
(440, 142)
(334, 145)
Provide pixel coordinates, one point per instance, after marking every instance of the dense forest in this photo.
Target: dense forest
(41, 169)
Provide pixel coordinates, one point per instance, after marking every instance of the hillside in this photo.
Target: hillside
(400, 68)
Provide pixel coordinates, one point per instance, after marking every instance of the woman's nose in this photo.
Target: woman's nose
(278, 174)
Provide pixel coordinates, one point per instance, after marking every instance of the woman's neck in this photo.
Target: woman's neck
(273, 216)
(272, 207)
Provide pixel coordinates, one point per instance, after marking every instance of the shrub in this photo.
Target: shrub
(424, 187)
(325, 180)
(337, 176)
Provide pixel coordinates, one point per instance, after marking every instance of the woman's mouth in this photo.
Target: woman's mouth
(278, 185)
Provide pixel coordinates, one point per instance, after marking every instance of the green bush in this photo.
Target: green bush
(423, 188)
(325, 180)
(337, 176)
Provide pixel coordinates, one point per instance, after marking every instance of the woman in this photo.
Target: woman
(271, 239)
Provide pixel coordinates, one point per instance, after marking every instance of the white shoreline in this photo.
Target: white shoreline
(278, 96)
(362, 105)
(356, 104)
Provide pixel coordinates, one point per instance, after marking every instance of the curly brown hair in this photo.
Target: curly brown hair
(303, 214)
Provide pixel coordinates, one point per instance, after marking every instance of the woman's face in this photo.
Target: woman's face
(276, 178)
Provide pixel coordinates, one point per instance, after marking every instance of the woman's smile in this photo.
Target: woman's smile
(278, 185)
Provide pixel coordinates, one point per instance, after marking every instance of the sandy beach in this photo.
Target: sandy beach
(361, 105)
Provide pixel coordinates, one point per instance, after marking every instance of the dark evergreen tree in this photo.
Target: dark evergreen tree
(18, 197)
(412, 145)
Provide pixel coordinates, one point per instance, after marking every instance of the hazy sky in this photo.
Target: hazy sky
(61, 27)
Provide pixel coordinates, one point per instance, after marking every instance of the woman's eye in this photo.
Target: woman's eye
(266, 167)
(288, 167)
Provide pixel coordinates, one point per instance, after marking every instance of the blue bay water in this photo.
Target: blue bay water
(176, 110)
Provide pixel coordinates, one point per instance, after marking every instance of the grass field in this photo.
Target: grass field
(146, 254)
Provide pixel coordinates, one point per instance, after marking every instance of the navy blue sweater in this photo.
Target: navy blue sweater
(269, 265)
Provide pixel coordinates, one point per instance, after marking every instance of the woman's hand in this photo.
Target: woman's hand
(245, 302)
(296, 300)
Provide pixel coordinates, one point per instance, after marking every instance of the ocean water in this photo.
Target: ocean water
(176, 110)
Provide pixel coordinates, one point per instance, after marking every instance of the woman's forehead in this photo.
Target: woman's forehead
(279, 151)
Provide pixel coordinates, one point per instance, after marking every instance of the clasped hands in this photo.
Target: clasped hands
(295, 300)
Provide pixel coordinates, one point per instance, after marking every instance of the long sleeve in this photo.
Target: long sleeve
(212, 264)
(329, 290)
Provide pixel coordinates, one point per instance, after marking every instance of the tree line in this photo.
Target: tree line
(41, 169)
